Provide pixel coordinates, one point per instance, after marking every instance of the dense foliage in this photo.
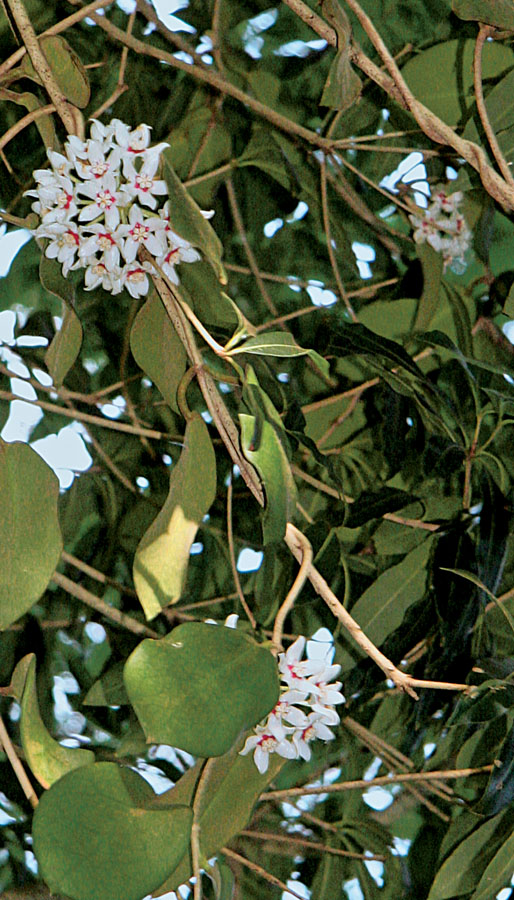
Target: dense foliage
(299, 411)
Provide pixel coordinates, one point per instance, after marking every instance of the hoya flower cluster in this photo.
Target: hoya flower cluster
(305, 710)
(103, 200)
(444, 227)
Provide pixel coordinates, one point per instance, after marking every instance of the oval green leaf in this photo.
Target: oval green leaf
(30, 537)
(162, 557)
(67, 69)
(157, 349)
(200, 687)
(98, 835)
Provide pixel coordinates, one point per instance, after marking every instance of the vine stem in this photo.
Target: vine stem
(484, 32)
(18, 769)
(69, 115)
(287, 605)
(295, 540)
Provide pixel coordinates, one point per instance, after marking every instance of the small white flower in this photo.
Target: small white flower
(134, 141)
(142, 230)
(143, 184)
(315, 728)
(101, 240)
(134, 277)
(263, 743)
(98, 275)
(104, 201)
(64, 243)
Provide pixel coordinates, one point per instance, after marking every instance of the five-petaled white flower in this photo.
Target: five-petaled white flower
(444, 227)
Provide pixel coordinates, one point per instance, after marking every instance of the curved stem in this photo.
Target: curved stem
(298, 583)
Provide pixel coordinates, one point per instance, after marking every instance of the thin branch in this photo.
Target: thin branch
(296, 587)
(330, 249)
(294, 841)
(17, 766)
(233, 564)
(260, 871)
(110, 612)
(23, 123)
(332, 492)
(484, 32)
(252, 262)
(91, 420)
(363, 784)
(101, 577)
(400, 679)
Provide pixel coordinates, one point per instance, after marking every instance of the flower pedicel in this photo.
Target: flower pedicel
(101, 202)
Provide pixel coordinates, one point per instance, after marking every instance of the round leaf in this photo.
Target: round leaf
(98, 835)
(200, 686)
(30, 538)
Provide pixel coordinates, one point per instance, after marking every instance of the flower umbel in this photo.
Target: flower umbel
(444, 227)
(289, 728)
(103, 200)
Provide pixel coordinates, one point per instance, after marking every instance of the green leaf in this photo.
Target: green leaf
(67, 69)
(157, 349)
(200, 686)
(47, 759)
(498, 873)
(279, 343)
(162, 556)
(343, 86)
(381, 608)
(187, 220)
(98, 835)
(109, 690)
(452, 97)
(263, 449)
(52, 279)
(30, 538)
(44, 124)
(458, 873)
(232, 788)
(373, 505)
(65, 347)
(493, 12)
(432, 264)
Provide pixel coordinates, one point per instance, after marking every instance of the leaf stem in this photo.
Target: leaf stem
(18, 769)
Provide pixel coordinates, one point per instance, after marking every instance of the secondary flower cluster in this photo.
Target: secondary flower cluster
(100, 202)
(443, 227)
(305, 709)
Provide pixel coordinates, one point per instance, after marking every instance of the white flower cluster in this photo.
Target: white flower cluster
(443, 227)
(289, 729)
(99, 203)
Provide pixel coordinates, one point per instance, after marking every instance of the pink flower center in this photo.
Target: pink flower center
(168, 259)
(139, 232)
(106, 241)
(136, 276)
(144, 182)
(267, 743)
(99, 168)
(70, 238)
(104, 199)
(64, 200)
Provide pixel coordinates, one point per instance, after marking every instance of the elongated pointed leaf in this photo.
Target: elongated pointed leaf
(30, 538)
(47, 759)
(457, 875)
(98, 835)
(279, 343)
(263, 449)
(200, 686)
(67, 69)
(162, 557)
(381, 608)
(65, 347)
(188, 221)
(157, 348)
